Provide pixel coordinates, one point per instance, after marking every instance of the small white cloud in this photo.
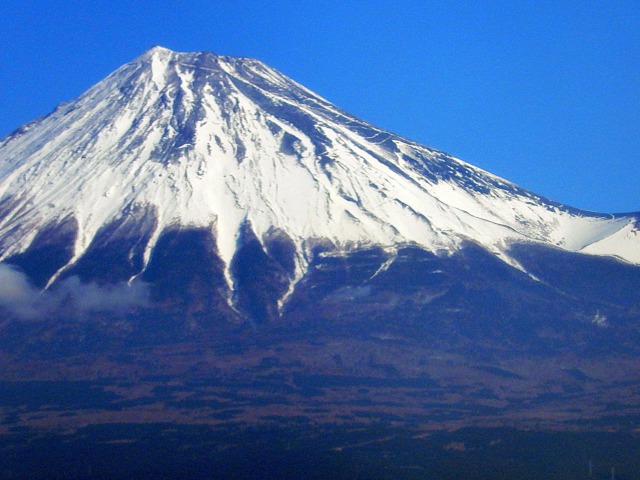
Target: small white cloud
(23, 300)
(600, 320)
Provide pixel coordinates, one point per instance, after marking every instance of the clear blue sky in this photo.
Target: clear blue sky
(545, 94)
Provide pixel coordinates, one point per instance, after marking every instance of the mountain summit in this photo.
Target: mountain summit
(195, 140)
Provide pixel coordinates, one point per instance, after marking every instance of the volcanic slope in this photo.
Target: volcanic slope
(230, 147)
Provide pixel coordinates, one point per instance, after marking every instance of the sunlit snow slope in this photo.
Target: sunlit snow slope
(221, 142)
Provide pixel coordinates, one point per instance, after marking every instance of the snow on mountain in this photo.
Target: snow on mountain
(220, 142)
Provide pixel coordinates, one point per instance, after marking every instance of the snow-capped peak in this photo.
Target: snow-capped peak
(223, 142)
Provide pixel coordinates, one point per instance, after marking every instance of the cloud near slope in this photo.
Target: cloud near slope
(78, 299)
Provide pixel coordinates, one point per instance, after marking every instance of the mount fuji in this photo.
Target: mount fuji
(176, 141)
(201, 232)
